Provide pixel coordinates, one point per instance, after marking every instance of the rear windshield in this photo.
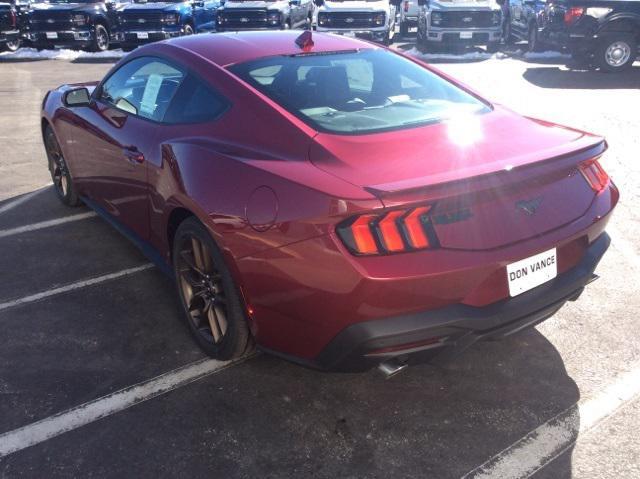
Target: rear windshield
(358, 92)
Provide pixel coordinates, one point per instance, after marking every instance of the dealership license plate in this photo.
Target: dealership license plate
(528, 273)
(466, 35)
(143, 35)
(413, 29)
(51, 35)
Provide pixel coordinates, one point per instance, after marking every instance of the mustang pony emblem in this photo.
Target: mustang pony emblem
(529, 206)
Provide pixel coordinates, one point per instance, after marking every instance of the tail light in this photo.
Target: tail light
(595, 175)
(395, 231)
(406, 7)
(13, 19)
(571, 15)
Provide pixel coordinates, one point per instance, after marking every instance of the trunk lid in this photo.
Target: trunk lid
(494, 179)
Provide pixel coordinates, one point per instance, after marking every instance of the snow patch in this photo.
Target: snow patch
(62, 54)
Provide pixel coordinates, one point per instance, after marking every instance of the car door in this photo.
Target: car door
(117, 138)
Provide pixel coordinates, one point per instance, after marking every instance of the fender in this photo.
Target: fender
(620, 22)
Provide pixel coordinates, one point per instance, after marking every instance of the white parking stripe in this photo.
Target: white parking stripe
(542, 445)
(73, 286)
(46, 224)
(19, 201)
(91, 411)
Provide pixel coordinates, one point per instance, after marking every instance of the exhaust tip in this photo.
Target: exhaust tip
(391, 368)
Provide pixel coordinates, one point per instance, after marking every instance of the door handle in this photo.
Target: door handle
(133, 155)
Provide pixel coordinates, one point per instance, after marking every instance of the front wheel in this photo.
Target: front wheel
(12, 46)
(211, 302)
(101, 39)
(616, 53)
(60, 175)
(188, 30)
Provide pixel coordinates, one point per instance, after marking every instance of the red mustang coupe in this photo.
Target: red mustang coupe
(332, 201)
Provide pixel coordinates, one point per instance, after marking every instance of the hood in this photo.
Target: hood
(39, 7)
(230, 4)
(444, 152)
(354, 6)
(463, 5)
(150, 6)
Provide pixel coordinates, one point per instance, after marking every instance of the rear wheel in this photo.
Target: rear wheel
(12, 46)
(188, 29)
(210, 299)
(60, 175)
(616, 53)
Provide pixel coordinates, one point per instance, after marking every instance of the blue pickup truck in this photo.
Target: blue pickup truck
(141, 22)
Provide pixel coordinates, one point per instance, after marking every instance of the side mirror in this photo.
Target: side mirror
(77, 97)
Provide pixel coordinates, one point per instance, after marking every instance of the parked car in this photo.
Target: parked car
(444, 23)
(337, 203)
(141, 22)
(525, 19)
(604, 32)
(409, 12)
(265, 15)
(84, 24)
(9, 28)
(372, 20)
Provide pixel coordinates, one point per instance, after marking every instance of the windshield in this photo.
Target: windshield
(358, 92)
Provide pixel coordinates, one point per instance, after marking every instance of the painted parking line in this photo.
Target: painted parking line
(73, 286)
(104, 406)
(46, 224)
(548, 441)
(22, 199)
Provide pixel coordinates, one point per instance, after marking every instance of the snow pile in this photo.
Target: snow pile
(480, 55)
(414, 52)
(62, 54)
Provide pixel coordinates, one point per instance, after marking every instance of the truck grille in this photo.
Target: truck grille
(141, 20)
(242, 19)
(50, 21)
(351, 20)
(466, 19)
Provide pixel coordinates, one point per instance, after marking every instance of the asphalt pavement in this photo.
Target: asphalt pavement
(100, 378)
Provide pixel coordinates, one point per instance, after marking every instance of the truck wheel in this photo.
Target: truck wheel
(616, 53)
(100, 40)
(11, 46)
(188, 30)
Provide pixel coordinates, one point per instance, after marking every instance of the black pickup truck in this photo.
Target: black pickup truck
(12, 15)
(86, 24)
(605, 33)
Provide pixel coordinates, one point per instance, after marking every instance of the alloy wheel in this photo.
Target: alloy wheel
(202, 290)
(617, 54)
(102, 39)
(58, 167)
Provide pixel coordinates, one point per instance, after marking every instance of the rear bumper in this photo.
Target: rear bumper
(443, 333)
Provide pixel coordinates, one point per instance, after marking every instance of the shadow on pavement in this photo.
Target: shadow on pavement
(555, 77)
(271, 419)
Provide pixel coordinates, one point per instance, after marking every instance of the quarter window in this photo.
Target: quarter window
(143, 87)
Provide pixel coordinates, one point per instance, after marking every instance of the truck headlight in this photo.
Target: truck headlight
(79, 19)
(273, 17)
(497, 17)
(436, 18)
(378, 19)
(323, 19)
(170, 18)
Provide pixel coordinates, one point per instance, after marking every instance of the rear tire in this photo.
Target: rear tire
(616, 52)
(211, 302)
(60, 174)
(11, 46)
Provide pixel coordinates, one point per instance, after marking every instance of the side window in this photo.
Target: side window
(359, 74)
(144, 87)
(195, 102)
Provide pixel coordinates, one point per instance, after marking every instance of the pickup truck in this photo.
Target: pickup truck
(265, 15)
(370, 19)
(459, 22)
(141, 22)
(409, 13)
(525, 19)
(605, 33)
(86, 24)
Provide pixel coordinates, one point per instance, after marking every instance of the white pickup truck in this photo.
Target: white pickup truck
(371, 19)
(459, 22)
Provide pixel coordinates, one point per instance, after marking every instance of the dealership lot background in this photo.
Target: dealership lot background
(94, 355)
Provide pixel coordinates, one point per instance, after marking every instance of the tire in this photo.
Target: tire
(60, 175)
(616, 52)
(493, 47)
(188, 30)
(12, 46)
(210, 300)
(100, 39)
